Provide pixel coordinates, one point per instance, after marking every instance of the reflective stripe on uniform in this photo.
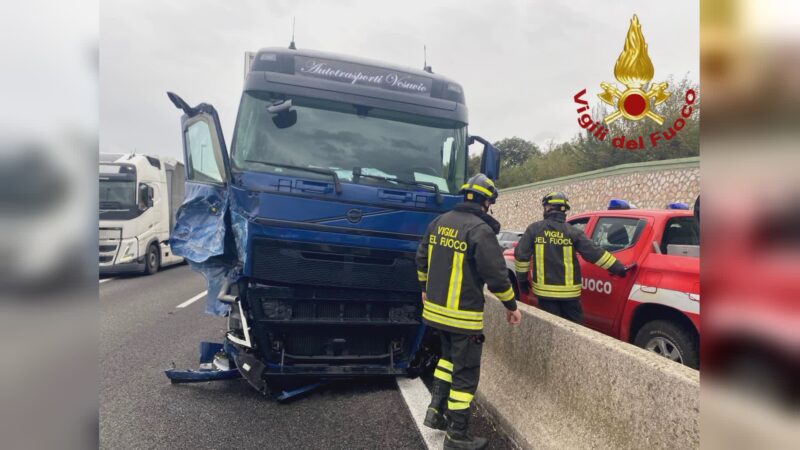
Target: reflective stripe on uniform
(422, 276)
(442, 375)
(444, 370)
(451, 322)
(556, 288)
(445, 364)
(606, 261)
(465, 315)
(522, 266)
(568, 269)
(459, 400)
(456, 276)
(456, 406)
(506, 295)
(557, 291)
(540, 263)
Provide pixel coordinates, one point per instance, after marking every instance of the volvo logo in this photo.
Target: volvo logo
(354, 215)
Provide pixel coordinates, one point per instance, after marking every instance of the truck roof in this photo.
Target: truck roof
(106, 158)
(377, 75)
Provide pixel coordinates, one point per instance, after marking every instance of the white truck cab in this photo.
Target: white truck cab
(139, 195)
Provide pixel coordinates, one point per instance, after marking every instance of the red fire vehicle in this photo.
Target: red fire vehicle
(657, 306)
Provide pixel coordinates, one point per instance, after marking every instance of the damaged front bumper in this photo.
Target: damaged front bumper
(301, 337)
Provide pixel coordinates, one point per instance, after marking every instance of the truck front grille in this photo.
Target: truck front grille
(333, 311)
(108, 250)
(311, 264)
(306, 325)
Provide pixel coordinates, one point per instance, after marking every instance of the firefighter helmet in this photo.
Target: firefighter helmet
(557, 199)
(481, 186)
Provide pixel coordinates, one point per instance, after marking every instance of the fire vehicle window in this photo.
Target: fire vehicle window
(680, 231)
(580, 223)
(617, 233)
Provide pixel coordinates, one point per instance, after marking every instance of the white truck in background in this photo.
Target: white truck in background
(139, 196)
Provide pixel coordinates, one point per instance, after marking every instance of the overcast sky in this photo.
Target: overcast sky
(520, 62)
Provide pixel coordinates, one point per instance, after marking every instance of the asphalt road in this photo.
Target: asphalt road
(142, 332)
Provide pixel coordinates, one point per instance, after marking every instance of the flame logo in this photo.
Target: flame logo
(634, 69)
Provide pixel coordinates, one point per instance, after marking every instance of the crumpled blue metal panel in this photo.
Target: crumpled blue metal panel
(215, 271)
(199, 231)
(240, 228)
(207, 352)
(199, 236)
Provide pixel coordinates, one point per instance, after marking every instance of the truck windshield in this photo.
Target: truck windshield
(345, 138)
(117, 194)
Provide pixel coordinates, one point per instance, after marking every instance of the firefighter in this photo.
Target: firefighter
(552, 244)
(458, 254)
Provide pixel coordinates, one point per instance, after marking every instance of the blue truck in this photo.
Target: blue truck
(306, 231)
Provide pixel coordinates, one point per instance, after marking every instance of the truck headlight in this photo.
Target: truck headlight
(129, 253)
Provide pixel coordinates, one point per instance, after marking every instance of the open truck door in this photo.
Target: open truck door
(199, 231)
(200, 228)
(490, 158)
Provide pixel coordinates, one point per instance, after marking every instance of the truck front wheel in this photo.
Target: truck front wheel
(152, 260)
(670, 340)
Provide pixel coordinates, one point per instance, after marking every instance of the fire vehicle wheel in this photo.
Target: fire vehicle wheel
(151, 260)
(669, 340)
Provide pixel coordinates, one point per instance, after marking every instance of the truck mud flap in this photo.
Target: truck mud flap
(214, 365)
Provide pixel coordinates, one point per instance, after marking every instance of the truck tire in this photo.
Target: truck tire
(152, 260)
(670, 340)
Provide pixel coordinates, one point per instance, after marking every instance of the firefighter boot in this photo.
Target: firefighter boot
(434, 417)
(458, 436)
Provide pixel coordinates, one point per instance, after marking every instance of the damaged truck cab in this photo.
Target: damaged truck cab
(306, 232)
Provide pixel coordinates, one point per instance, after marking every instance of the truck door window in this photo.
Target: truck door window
(680, 231)
(580, 223)
(202, 163)
(617, 233)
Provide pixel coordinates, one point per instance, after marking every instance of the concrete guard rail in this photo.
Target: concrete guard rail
(622, 169)
(552, 384)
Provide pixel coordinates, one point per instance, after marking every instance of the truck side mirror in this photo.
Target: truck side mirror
(490, 159)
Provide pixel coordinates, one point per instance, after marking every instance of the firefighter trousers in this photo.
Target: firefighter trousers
(459, 369)
(569, 309)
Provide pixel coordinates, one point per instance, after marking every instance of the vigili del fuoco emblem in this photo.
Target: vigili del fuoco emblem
(635, 70)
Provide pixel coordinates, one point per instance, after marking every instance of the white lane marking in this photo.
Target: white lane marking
(192, 300)
(103, 280)
(417, 398)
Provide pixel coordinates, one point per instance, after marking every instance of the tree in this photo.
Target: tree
(516, 151)
(474, 165)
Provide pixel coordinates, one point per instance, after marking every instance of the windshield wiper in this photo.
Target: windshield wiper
(337, 185)
(358, 173)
